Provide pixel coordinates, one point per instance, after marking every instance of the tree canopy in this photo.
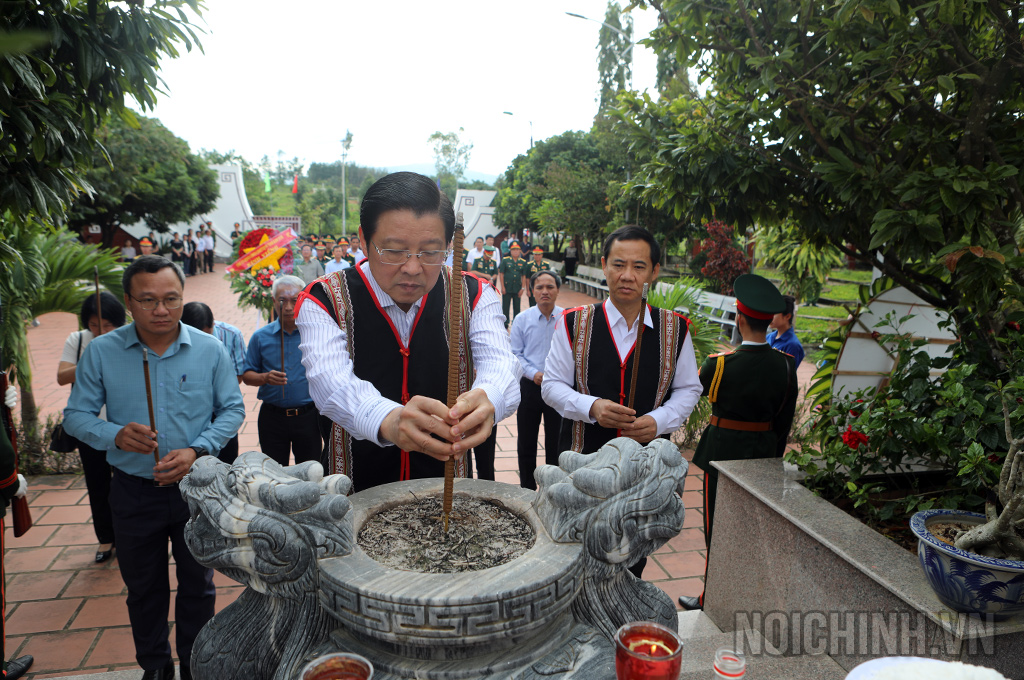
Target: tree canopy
(451, 157)
(55, 97)
(143, 174)
(890, 130)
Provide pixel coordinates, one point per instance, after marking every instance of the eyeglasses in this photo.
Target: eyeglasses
(431, 258)
(149, 304)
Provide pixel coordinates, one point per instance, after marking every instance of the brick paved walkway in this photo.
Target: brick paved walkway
(70, 613)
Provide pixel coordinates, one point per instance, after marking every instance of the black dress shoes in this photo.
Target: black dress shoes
(17, 667)
(690, 603)
(104, 555)
(165, 673)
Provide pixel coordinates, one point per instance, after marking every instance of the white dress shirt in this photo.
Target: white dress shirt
(200, 244)
(357, 405)
(560, 375)
(208, 242)
(472, 255)
(357, 255)
(531, 338)
(336, 266)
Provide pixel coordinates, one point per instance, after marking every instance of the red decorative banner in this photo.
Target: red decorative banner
(261, 251)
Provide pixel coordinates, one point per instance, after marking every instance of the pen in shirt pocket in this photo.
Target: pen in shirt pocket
(181, 383)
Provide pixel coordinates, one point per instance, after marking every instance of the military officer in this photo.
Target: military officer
(752, 390)
(537, 264)
(513, 281)
(487, 266)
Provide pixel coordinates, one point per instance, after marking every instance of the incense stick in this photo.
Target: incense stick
(636, 347)
(149, 400)
(455, 331)
(280, 319)
(99, 307)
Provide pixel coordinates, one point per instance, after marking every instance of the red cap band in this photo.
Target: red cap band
(754, 314)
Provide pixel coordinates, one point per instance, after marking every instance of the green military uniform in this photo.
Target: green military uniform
(753, 391)
(485, 266)
(512, 272)
(532, 267)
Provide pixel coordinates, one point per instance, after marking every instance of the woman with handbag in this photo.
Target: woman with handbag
(94, 462)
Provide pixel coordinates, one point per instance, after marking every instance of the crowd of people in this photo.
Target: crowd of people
(353, 373)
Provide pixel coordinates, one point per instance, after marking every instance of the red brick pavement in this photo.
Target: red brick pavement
(70, 613)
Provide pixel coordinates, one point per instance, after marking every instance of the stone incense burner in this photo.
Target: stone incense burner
(289, 534)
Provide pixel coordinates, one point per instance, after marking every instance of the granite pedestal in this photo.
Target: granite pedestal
(813, 580)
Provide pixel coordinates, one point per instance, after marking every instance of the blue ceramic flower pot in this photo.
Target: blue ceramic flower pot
(964, 581)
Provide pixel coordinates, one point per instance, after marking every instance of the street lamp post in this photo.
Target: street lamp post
(509, 113)
(345, 144)
(628, 39)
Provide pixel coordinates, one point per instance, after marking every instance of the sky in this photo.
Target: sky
(292, 77)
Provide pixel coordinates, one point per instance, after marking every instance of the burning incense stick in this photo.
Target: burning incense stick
(455, 331)
(636, 347)
(149, 400)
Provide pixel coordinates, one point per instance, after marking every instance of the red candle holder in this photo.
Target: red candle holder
(647, 651)
(339, 666)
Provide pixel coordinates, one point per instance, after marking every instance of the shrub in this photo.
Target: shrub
(724, 260)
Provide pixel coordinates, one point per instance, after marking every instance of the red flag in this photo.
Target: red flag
(295, 187)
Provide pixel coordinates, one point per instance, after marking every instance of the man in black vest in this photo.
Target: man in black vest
(589, 369)
(375, 344)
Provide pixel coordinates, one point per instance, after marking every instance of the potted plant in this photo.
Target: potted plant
(929, 448)
(977, 563)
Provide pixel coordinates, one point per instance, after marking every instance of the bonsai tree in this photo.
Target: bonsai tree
(1003, 535)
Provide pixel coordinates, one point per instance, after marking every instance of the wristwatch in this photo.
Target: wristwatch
(200, 451)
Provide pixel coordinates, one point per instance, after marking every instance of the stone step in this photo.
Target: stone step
(696, 624)
(133, 674)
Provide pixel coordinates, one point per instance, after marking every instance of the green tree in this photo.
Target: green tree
(53, 272)
(451, 157)
(320, 210)
(890, 130)
(614, 55)
(54, 98)
(143, 173)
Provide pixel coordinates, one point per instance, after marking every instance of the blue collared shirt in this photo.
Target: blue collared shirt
(233, 340)
(788, 343)
(531, 338)
(191, 383)
(264, 355)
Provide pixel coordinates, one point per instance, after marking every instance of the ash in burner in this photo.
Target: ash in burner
(411, 536)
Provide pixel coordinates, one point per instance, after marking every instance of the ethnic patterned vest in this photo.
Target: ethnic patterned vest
(599, 371)
(397, 371)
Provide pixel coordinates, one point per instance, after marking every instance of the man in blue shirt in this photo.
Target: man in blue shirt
(288, 421)
(782, 337)
(199, 315)
(197, 407)
(531, 340)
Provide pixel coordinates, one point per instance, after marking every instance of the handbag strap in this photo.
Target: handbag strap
(78, 356)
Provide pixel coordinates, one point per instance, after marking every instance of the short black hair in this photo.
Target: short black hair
(148, 264)
(111, 309)
(756, 325)
(556, 277)
(790, 310)
(198, 315)
(633, 232)
(405, 191)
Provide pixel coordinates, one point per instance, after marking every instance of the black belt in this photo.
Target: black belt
(289, 412)
(147, 481)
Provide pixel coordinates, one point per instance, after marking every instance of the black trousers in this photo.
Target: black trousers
(531, 408)
(97, 481)
(282, 434)
(145, 517)
(509, 300)
(208, 260)
(484, 457)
